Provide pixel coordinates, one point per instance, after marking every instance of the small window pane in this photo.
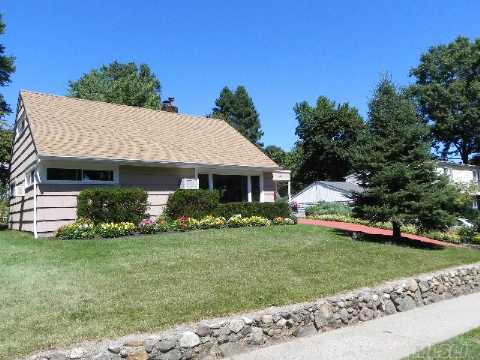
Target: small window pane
(203, 181)
(64, 174)
(97, 175)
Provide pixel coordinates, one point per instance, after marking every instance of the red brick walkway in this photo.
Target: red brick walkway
(371, 231)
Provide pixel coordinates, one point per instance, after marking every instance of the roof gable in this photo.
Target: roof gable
(69, 127)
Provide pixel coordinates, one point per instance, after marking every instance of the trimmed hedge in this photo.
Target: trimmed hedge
(266, 210)
(113, 204)
(200, 203)
(192, 203)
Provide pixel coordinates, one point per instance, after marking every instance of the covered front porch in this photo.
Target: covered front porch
(237, 185)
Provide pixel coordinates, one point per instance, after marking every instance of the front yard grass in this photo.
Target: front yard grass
(54, 293)
(462, 347)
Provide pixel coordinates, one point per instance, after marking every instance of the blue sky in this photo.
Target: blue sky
(283, 52)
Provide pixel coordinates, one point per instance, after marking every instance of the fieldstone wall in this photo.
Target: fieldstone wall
(212, 339)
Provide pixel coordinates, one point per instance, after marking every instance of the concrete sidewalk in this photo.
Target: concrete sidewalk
(388, 338)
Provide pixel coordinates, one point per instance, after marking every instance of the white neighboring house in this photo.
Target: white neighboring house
(328, 191)
(464, 175)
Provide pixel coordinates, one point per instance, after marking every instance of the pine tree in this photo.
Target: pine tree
(238, 110)
(7, 68)
(394, 164)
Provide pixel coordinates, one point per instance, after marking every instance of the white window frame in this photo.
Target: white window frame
(78, 165)
(29, 181)
(20, 125)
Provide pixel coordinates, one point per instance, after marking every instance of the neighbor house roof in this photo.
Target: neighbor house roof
(342, 186)
(84, 129)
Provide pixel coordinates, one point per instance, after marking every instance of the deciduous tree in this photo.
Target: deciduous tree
(326, 132)
(448, 91)
(118, 83)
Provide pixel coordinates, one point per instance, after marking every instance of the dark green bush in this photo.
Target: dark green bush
(328, 208)
(266, 210)
(113, 204)
(192, 203)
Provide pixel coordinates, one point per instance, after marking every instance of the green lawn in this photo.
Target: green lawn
(53, 292)
(463, 347)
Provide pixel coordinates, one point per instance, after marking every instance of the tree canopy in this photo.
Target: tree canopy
(118, 83)
(7, 68)
(394, 165)
(448, 92)
(326, 133)
(238, 110)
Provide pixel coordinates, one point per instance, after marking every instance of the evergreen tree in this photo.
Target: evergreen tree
(118, 83)
(7, 68)
(395, 167)
(326, 134)
(238, 110)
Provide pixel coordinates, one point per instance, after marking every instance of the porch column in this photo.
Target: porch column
(261, 188)
(289, 192)
(210, 181)
(249, 188)
(196, 178)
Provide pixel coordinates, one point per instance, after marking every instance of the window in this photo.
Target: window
(60, 174)
(97, 175)
(203, 181)
(255, 180)
(64, 174)
(30, 178)
(233, 188)
(12, 190)
(20, 125)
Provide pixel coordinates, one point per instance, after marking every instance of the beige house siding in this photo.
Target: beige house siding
(268, 188)
(159, 182)
(24, 155)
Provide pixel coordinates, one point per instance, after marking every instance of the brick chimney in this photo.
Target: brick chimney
(168, 105)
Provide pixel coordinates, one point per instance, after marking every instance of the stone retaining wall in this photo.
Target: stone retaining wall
(212, 339)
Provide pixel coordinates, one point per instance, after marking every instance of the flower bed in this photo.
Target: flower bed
(457, 236)
(86, 229)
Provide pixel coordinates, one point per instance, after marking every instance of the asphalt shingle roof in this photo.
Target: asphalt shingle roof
(69, 127)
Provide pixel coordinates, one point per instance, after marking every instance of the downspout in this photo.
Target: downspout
(35, 234)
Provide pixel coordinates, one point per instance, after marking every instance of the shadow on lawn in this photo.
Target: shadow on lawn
(388, 239)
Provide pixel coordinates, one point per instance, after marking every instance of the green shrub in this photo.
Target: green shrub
(80, 229)
(467, 234)
(476, 239)
(266, 210)
(324, 208)
(113, 230)
(113, 204)
(192, 203)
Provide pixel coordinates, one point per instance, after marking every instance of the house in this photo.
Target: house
(466, 176)
(328, 191)
(63, 145)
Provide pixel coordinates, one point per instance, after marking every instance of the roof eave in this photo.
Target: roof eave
(178, 164)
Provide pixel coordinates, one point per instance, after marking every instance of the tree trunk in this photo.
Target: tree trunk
(397, 235)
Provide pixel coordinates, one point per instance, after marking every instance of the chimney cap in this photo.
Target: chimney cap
(168, 105)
